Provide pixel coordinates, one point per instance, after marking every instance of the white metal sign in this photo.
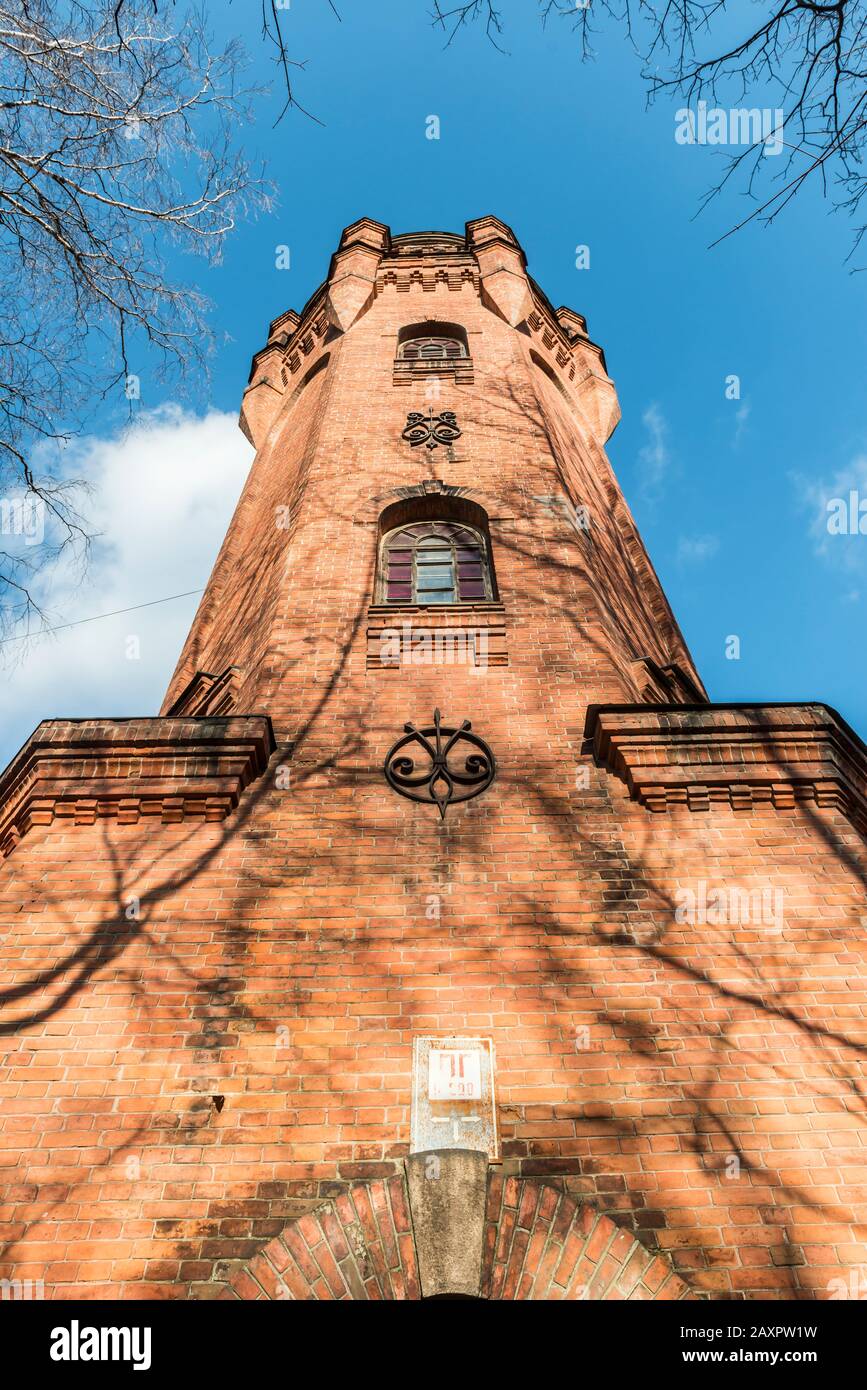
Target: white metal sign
(453, 1103)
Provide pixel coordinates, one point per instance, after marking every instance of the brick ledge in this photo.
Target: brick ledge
(745, 755)
(171, 768)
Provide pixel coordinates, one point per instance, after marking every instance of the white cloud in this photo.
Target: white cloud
(162, 496)
(653, 456)
(694, 549)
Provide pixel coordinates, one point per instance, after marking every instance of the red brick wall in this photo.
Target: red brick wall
(285, 958)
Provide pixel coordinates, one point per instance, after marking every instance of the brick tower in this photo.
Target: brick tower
(314, 991)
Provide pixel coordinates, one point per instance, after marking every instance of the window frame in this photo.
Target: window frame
(478, 541)
(447, 339)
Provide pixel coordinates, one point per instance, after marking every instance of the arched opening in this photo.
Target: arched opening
(435, 550)
(432, 342)
(540, 1244)
(454, 1298)
(318, 366)
(548, 371)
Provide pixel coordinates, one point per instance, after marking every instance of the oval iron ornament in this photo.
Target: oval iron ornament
(431, 429)
(440, 781)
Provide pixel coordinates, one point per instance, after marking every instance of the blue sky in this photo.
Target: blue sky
(729, 494)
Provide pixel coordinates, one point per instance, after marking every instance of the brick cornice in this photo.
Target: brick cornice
(171, 768)
(697, 755)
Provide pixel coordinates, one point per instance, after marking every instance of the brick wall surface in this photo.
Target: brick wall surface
(207, 1026)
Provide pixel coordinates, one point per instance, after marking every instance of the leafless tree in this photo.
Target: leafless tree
(118, 126)
(804, 57)
(272, 33)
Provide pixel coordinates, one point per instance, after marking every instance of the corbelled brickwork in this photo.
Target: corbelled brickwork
(208, 1022)
(169, 768)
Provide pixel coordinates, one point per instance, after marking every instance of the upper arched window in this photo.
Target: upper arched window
(549, 372)
(431, 348)
(434, 562)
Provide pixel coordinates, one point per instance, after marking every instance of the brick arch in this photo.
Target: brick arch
(539, 1244)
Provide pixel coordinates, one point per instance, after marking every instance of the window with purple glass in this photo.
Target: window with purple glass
(434, 562)
(431, 349)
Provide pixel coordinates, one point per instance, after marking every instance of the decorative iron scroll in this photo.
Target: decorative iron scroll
(440, 783)
(431, 429)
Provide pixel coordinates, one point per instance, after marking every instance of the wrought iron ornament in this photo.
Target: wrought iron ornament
(431, 429)
(440, 783)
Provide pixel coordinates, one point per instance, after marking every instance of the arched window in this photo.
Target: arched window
(434, 562)
(549, 372)
(432, 348)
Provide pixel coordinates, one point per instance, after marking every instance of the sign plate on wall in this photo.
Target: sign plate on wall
(453, 1095)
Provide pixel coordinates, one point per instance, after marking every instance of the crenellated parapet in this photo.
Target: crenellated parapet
(487, 260)
(351, 284)
(504, 284)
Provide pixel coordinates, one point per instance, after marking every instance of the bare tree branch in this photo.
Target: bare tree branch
(117, 142)
(454, 19)
(805, 58)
